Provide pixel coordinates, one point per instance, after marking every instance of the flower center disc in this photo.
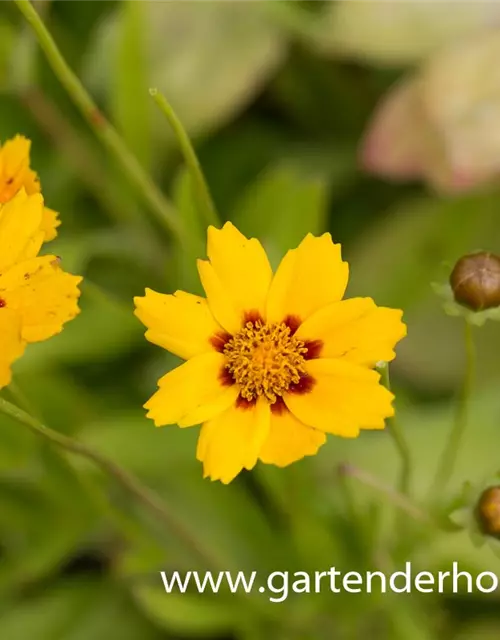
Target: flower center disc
(264, 359)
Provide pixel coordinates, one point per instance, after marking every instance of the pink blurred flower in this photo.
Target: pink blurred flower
(442, 124)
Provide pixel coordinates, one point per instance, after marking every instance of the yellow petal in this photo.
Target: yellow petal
(31, 182)
(355, 330)
(181, 323)
(20, 221)
(218, 300)
(50, 222)
(14, 166)
(308, 278)
(11, 343)
(241, 267)
(342, 398)
(43, 294)
(232, 440)
(192, 393)
(289, 440)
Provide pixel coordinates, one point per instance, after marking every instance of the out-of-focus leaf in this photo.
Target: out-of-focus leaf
(56, 398)
(398, 32)
(18, 445)
(102, 331)
(236, 155)
(227, 521)
(130, 80)
(183, 264)
(77, 609)
(481, 630)
(427, 430)
(6, 41)
(209, 59)
(397, 263)
(44, 517)
(188, 614)
(281, 207)
(134, 442)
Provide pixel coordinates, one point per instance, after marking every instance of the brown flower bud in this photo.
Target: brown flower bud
(475, 281)
(488, 512)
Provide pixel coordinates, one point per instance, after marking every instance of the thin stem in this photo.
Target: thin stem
(451, 451)
(20, 398)
(75, 148)
(133, 485)
(206, 204)
(107, 134)
(399, 439)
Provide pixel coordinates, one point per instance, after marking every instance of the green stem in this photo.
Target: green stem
(133, 485)
(399, 439)
(448, 460)
(159, 205)
(206, 204)
(75, 148)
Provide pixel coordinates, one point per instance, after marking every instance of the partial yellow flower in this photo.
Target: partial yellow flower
(36, 296)
(16, 173)
(273, 363)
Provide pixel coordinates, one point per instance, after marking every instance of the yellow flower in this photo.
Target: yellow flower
(273, 363)
(36, 296)
(15, 173)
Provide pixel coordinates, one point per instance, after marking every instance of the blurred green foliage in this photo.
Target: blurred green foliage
(276, 98)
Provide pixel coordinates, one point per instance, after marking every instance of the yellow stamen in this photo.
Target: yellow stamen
(264, 359)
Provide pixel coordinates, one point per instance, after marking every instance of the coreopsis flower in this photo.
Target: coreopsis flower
(273, 363)
(16, 173)
(36, 296)
(441, 123)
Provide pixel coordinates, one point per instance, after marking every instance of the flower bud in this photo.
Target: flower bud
(475, 281)
(488, 512)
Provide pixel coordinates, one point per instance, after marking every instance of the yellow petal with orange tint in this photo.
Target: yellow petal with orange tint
(343, 398)
(181, 323)
(355, 330)
(43, 294)
(20, 221)
(192, 393)
(50, 222)
(289, 440)
(308, 278)
(14, 167)
(11, 343)
(232, 440)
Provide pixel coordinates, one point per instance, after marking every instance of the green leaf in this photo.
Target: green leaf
(227, 521)
(102, 330)
(131, 110)
(51, 509)
(438, 231)
(427, 430)
(76, 609)
(281, 207)
(406, 33)
(56, 397)
(193, 615)
(396, 261)
(188, 47)
(18, 445)
(183, 196)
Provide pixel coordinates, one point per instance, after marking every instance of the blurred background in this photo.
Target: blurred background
(376, 121)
